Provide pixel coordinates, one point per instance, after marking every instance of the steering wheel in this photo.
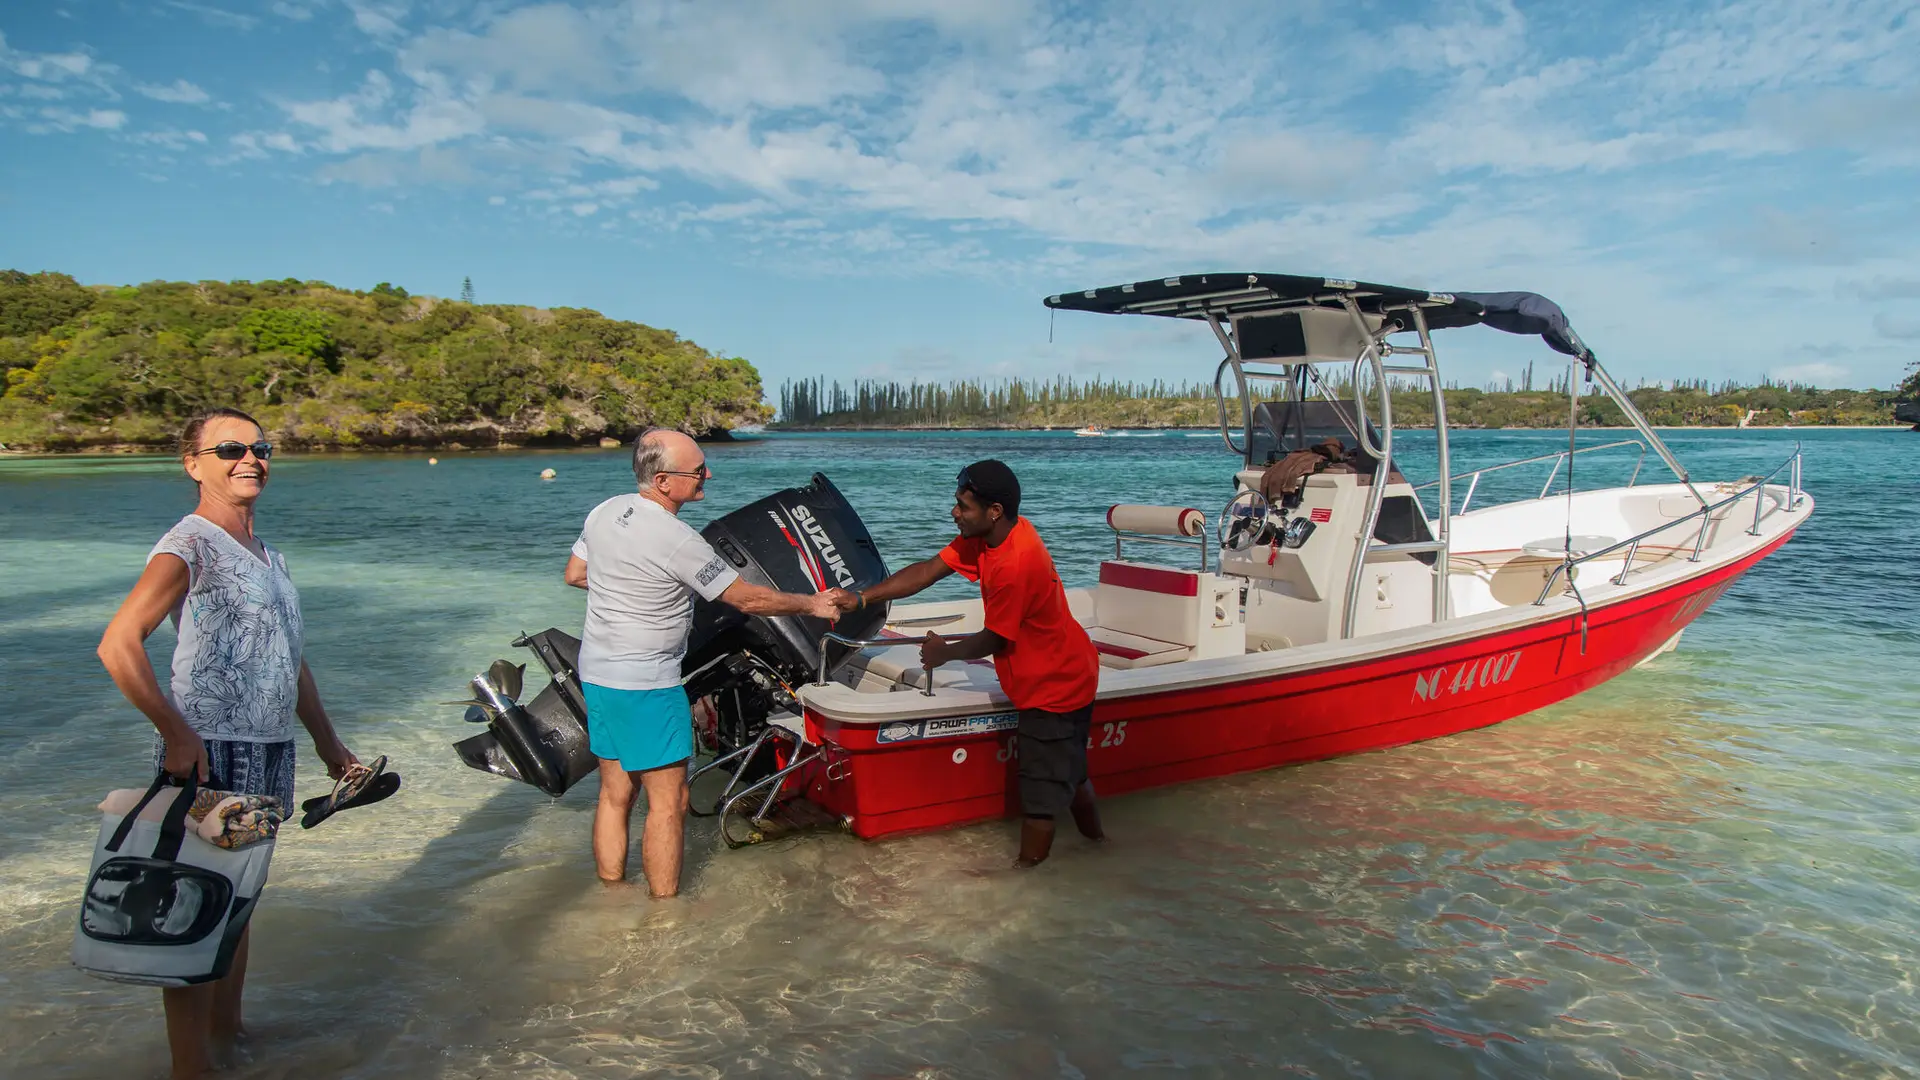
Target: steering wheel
(1242, 521)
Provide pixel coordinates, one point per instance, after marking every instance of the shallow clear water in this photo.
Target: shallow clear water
(1703, 868)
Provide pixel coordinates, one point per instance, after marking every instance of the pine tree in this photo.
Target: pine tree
(466, 290)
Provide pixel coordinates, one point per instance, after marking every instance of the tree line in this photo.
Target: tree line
(329, 367)
(819, 403)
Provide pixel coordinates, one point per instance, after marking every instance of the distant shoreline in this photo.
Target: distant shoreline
(158, 450)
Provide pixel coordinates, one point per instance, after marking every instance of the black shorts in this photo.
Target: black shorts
(1053, 759)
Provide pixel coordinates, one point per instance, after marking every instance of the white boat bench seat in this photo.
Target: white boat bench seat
(1145, 615)
(1556, 547)
(1120, 650)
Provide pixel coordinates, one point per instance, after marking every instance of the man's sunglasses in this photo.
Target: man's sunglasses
(234, 451)
(696, 474)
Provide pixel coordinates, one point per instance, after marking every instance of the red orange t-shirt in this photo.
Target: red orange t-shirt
(1049, 662)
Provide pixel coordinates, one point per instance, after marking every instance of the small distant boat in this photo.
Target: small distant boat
(1090, 431)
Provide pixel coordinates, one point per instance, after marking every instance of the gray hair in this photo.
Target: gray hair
(649, 455)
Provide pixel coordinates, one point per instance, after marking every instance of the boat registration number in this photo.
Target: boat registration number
(1465, 678)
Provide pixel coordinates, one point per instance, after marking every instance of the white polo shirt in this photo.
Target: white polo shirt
(643, 567)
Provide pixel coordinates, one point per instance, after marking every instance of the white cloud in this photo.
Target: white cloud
(1818, 373)
(1887, 288)
(50, 67)
(344, 126)
(47, 121)
(378, 20)
(1897, 327)
(179, 92)
(172, 140)
(216, 16)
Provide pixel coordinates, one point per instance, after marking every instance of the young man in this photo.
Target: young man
(641, 565)
(1045, 661)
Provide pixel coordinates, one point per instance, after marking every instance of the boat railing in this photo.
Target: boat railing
(1632, 544)
(1558, 458)
(874, 643)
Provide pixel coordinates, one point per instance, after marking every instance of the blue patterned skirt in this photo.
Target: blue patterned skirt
(245, 768)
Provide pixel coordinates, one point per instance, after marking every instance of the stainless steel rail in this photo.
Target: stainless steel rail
(1757, 489)
(1558, 458)
(872, 643)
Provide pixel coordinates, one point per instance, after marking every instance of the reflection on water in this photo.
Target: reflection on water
(1702, 868)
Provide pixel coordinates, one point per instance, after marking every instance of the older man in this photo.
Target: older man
(1046, 664)
(641, 566)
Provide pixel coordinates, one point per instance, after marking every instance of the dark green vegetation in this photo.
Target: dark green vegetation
(325, 367)
(816, 403)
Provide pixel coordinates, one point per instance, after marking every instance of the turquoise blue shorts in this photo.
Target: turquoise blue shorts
(640, 729)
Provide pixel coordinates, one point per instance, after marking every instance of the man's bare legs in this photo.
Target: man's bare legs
(1086, 814)
(662, 837)
(617, 792)
(1036, 834)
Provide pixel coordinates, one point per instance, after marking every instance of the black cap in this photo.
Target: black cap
(993, 482)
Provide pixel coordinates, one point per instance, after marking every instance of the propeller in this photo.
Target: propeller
(506, 678)
(494, 690)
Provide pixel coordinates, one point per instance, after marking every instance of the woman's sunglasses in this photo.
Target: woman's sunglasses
(234, 451)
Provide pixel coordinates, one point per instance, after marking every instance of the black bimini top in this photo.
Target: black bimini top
(1226, 295)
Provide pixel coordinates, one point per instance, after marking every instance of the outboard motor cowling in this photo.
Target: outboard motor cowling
(800, 540)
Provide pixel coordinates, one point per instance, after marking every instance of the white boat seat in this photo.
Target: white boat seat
(1556, 547)
(1148, 615)
(1118, 650)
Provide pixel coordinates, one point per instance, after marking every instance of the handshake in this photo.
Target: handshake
(830, 604)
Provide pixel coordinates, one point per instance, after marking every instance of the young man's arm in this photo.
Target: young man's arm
(901, 583)
(975, 646)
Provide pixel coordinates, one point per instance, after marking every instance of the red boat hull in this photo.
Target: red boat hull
(1145, 741)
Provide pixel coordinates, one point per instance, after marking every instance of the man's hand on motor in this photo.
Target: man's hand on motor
(822, 606)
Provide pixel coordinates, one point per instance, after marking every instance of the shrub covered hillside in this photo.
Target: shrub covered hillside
(326, 367)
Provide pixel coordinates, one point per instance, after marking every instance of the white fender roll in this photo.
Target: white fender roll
(1156, 520)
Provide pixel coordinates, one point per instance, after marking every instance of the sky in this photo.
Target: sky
(888, 188)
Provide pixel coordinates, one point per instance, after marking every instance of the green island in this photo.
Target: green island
(96, 367)
(92, 367)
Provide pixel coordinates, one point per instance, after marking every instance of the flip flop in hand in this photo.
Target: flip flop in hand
(360, 785)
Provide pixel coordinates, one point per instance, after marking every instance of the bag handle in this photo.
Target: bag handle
(172, 826)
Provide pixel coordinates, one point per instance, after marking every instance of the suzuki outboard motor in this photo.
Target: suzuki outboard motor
(800, 540)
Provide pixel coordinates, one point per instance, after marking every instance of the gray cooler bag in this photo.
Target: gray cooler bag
(164, 907)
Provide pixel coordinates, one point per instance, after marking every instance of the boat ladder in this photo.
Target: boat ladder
(782, 729)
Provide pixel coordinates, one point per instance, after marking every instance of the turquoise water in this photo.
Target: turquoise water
(1703, 868)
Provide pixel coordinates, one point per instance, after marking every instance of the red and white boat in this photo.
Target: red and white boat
(1346, 615)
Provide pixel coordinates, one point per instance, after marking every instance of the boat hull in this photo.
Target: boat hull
(917, 778)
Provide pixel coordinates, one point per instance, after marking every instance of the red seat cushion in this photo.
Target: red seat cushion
(1155, 579)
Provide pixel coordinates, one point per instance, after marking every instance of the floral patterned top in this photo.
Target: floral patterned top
(236, 668)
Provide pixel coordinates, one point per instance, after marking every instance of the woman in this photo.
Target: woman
(238, 679)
